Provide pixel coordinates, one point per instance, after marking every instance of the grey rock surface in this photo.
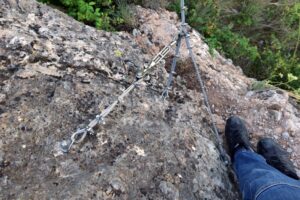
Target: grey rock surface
(56, 74)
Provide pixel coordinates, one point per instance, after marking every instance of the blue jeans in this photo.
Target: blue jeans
(260, 181)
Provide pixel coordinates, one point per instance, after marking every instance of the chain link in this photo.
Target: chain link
(80, 135)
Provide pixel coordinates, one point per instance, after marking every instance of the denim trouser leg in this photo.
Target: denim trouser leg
(260, 181)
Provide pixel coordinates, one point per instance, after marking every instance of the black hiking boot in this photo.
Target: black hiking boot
(276, 157)
(236, 135)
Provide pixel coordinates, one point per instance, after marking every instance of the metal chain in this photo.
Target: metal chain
(80, 134)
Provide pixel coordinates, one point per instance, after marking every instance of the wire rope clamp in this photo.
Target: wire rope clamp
(165, 94)
(184, 8)
(139, 76)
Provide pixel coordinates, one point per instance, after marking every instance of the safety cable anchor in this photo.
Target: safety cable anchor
(65, 145)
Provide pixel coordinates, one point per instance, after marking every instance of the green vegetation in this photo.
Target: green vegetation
(108, 15)
(262, 36)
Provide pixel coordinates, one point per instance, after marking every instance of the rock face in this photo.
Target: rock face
(56, 74)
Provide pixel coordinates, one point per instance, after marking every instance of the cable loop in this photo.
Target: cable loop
(80, 135)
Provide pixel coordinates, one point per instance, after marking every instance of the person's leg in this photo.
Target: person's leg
(277, 157)
(257, 179)
(260, 181)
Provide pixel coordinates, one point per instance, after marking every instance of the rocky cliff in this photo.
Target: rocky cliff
(56, 74)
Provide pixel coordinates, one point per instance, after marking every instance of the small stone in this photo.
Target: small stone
(2, 98)
(289, 150)
(293, 134)
(117, 185)
(86, 80)
(250, 94)
(67, 85)
(276, 115)
(81, 73)
(285, 135)
(108, 191)
(136, 32)
(229, 62)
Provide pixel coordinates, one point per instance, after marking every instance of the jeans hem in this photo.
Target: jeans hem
(264, 189)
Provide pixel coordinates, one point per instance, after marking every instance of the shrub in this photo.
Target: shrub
(126, 12)
(153, 4)
(259, 35)
(103, 14)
